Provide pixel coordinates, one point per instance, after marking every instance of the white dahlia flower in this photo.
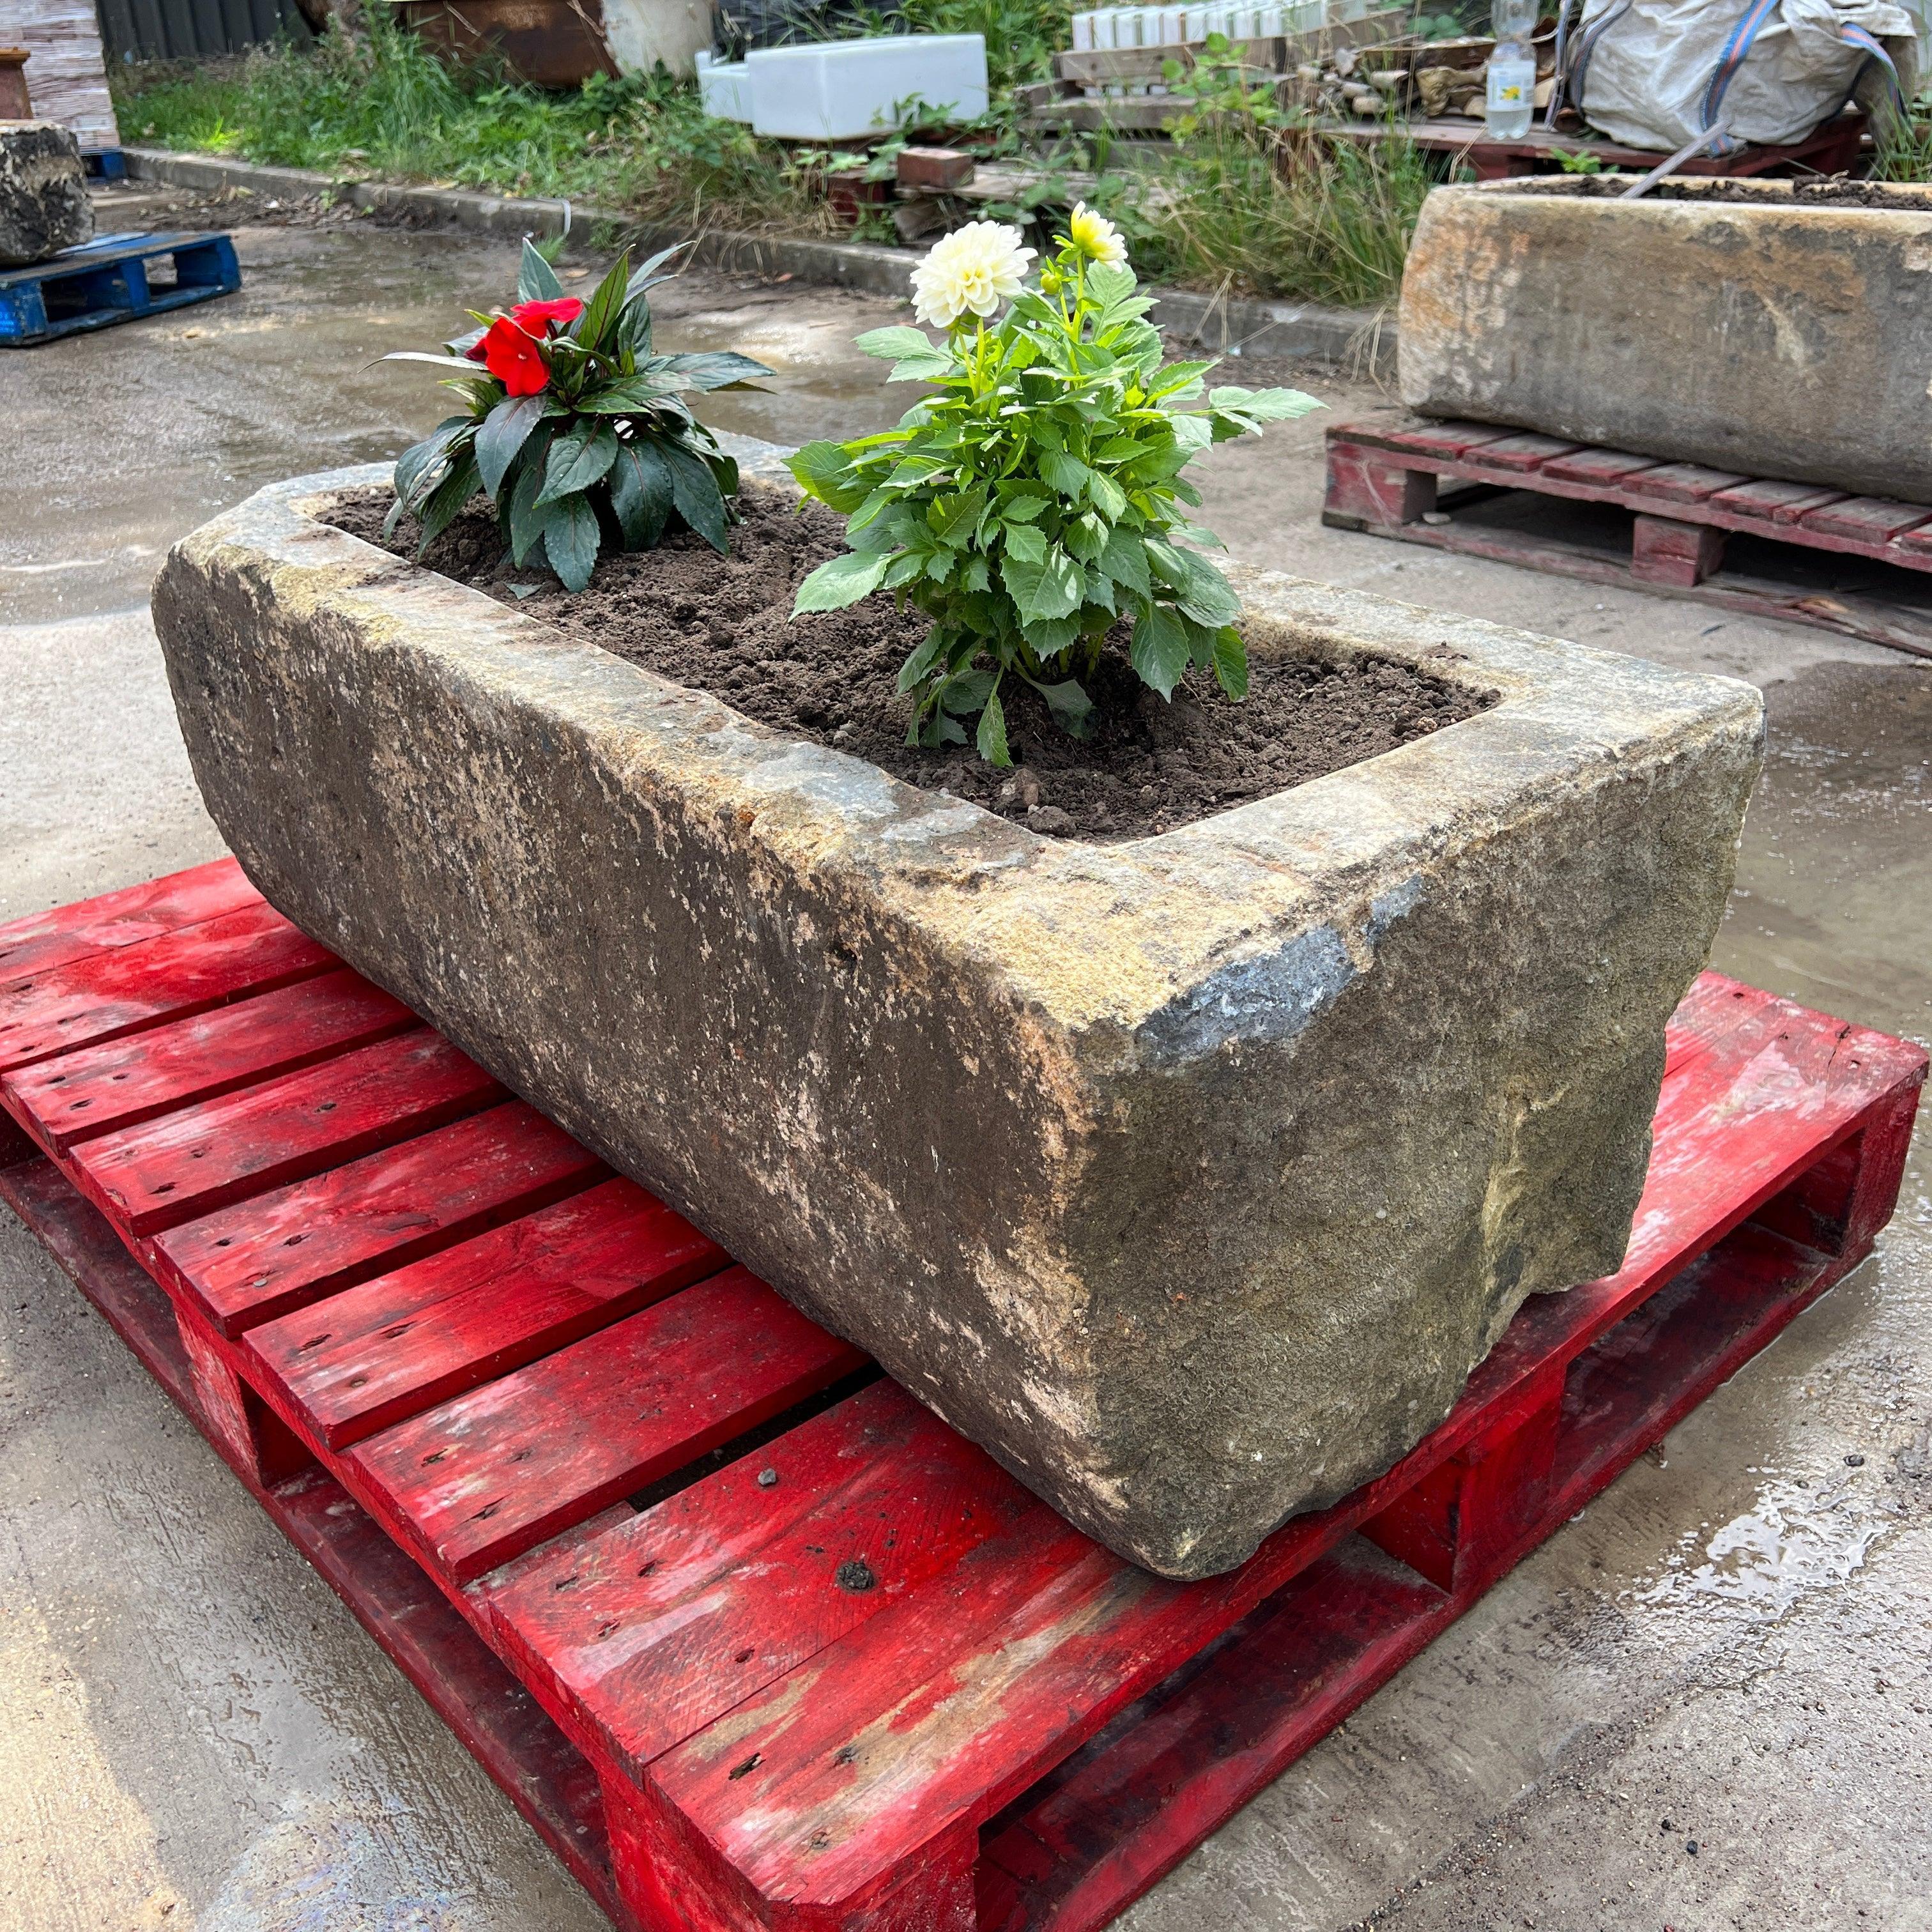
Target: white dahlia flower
(974, 268)
(1095, 237)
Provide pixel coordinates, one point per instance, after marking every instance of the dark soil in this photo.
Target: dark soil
(1829, 191)
(720, 626)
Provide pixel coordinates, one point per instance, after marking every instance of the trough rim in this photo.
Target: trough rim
(1056, 917)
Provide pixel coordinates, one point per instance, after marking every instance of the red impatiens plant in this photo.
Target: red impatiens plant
(576, 432)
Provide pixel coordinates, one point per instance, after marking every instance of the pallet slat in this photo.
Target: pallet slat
(414, 1337)
(1868, 519)
(482, 1478)
(125, 989)
(99, 1090)
(189, 1163)
(43, 941)
(291, 1245)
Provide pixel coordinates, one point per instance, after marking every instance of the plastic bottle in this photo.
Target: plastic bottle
(1510, 100)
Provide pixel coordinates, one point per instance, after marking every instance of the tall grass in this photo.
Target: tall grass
(1318, 217)
(386, 105)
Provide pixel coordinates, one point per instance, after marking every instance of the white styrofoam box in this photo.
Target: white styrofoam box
(838, 90)
(724, 88)
(1083, 33)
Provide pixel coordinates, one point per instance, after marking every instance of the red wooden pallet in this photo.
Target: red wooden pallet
(752, 1639)
(1384, 475)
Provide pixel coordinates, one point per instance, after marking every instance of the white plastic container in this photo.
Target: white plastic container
(724, 88)
(838, 90)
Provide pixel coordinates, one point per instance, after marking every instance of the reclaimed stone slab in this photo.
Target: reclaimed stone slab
(1190, 1175)
(43, 203)
(1762, 327)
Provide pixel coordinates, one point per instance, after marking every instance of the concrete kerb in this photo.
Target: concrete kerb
(1362, 341)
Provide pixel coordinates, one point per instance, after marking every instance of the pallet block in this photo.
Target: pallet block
(1386, 474)
(753, 1639)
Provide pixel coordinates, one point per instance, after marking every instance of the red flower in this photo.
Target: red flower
(511, 356)
(533, 317)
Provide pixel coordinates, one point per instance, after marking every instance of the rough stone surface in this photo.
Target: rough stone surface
(43, 203)
(1724, 323)
(1191, 1176)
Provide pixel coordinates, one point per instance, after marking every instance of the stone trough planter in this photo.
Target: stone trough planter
(1190, 1175)
(1762, 327)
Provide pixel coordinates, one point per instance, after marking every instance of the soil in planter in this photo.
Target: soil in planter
(720, 626)
(1833, 191)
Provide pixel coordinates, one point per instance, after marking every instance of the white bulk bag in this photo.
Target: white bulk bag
(1656, 73)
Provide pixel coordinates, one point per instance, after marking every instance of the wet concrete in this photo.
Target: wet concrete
(1732, 1646)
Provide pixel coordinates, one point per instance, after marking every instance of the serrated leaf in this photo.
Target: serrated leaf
(1124, 560)
(823, 471)
(1264, 405)
(695, 492)
(951, 519)
(1230, 661)
(914, 356)
(536, 280)
(640, 492)
(1072, 708)
(1021, 509)
(1045, 590)
(721, 369)
(840, 583)
(503, 432)
(991, 739)
(914, 670)
(1025, 542)
(1160, 651)
(578, 458)
(1106, 495)
(1065, 474)
(570, 538)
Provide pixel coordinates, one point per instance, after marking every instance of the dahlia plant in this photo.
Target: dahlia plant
(1031, 504)
(575, 431)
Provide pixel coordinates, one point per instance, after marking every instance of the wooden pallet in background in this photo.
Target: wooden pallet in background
(1386, 474)
(113, 278)
(753, 1639)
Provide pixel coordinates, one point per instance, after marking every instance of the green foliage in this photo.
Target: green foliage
(1252, 207)
(1033, 502)
(576, 432)
(386, 105)
(1579, 163)
(1905, 144)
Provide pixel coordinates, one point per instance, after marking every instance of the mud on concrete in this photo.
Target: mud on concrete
(1733, 1642)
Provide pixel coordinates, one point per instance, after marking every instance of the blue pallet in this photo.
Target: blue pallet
(104, 164)
(106, 280)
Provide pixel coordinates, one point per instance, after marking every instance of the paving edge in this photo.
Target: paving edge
(1361, 340)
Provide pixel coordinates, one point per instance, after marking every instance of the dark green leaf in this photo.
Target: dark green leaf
(640, 492)
(526, 520)
(1067, 474)
(1049, 590)
(412, 474)
(1025, 542)
(915, 668)
(638, 394)
(695, 490)
(441, 506)
(536, 280)
(724, 369)
(593, 327)
(839, 582)
(642, 278)
(1072, 708)
(503, 432)
(570, 536)
(1160, 650)
(577, 459)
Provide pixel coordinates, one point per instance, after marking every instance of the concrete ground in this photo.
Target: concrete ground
(1733, 1646)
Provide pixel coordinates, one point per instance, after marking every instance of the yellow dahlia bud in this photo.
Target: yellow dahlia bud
(1095, 237)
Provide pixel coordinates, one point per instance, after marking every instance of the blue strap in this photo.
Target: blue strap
(1733, 58)
(1858, 37)
(1586, 47)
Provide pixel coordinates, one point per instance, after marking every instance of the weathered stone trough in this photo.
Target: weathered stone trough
(1763, 327)
(1190, 1175)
